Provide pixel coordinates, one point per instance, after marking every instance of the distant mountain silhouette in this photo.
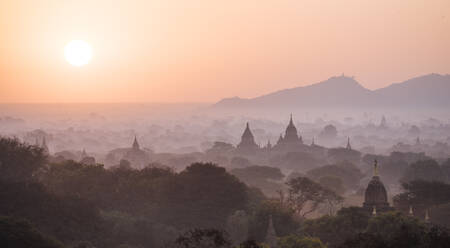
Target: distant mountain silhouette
(432, 90)
(344, 92)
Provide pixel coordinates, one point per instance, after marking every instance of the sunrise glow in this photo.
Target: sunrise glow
(78, 52)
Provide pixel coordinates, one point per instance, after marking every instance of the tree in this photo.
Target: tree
(347, 172)
(440, 214)
(340, 154)
(428, 170)
(283, 218)
(294, 241)
(446, 169)
(305, 195)
(425, 195)
(203, 195)
(390, 224)
(262, 177)
(203, 238)
(220, 148)
(332, 183)
(240, 162)
(422, 195)
(329, 132)
(332, 202)
(414, 131)
(21, 234)
(74, 179)
(250, 244)
(334, 230)
(66, 218)
(393, 230)
(364, 240)
(19, 162)
(237, 227)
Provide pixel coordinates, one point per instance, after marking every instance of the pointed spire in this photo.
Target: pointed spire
(271, 236)
(374, 211)
(411, 213)
(247, 139)
(312, 143)
(280, 139)
(291, 135)
(135, 143)
(375, 168)
(427, 217)
(349, 147)
(247, 132)
(417, 141)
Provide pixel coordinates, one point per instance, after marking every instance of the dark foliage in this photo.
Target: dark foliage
(334, 230)
(262, 177)
(423, 195)
(305, 196)
(427, 170)
(283, 220)
(203, 238)
(19, 162)
(402, 238)
(250, 244)
(20, 233)
(64, 217)
(347, 172)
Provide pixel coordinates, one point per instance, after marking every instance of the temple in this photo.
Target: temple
(247, 144)
(291, 140)
(375, 198)
(136, 156)
(135, 145)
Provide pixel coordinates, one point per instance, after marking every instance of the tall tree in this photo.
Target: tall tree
(427, 170)
(19, 162)
(305, 196)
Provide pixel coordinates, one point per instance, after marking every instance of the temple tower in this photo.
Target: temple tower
(135, 145)
(348, 147)
(291, 135)
(376, 196)
(247, 143)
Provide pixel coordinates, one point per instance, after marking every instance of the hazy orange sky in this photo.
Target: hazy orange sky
(202, 51)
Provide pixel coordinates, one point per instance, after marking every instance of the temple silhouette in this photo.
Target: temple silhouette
(375, 197)
(291, 141)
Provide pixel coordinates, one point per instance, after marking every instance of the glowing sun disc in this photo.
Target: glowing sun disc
(78, 52)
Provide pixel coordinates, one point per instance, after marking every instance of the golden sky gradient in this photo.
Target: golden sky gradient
(202, 51)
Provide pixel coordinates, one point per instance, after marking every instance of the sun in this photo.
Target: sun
(78, 52)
